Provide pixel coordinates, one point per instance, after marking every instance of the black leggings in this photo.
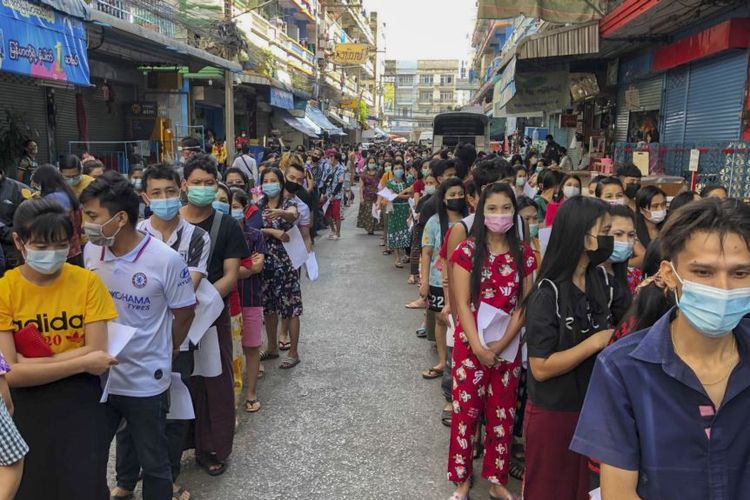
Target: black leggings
(416, 248)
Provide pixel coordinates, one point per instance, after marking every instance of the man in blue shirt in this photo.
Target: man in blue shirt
(666, 410)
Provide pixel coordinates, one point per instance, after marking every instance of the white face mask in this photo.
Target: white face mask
(46, 261)
(657, 216)
(571, 191)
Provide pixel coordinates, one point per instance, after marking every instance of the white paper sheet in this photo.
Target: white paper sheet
(105, 389)
(312, 266)
(207, 358)
(208, 308)
(180, 402)
(376, 212)
(491, 324)
(295, 247)
(118, 337)
(325, 206)
(595, 494)
(387, 194)
(529, 191)
(544, 234)
(450, 333)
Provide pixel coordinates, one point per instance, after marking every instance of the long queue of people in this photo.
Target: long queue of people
(148, 250)
(584, 339)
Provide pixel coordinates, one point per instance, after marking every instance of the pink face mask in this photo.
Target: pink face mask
(498, 223)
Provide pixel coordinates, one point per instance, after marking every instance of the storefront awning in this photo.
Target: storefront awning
(150, 45)
(271, 82)
(336, 118)
(568, 41)
(530, 92)
(297, 124)
(75, 8)
(320, 120)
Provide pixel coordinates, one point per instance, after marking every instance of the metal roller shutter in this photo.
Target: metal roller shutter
(649, 98)
(675, 106)
(622, 119)
(23, 96)
(67, 126)
(715, 96)
(103, 125)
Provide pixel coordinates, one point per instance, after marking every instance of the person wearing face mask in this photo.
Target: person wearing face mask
(136, 180)
(334, 195)
(569, 319)
(492, 267)
(570, 186)
(72, 171)
(140, 269)
(527, 209)
(610, 190)
(693, 362)
(622, 229)
(213, 397)
(651, 204)
(397, 225)
(54, 394)
(450, 200)
(282, 296)
(51, 184)
(223, 200)
(520, 180)
(294, 188)
(630, 175)
(430, 187)
(368, 189)
(548, 185)
(386, 174)
(161, 191)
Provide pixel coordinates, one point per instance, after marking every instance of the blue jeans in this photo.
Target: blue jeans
(142, 444)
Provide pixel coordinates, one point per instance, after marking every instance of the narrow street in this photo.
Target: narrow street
(354, 419)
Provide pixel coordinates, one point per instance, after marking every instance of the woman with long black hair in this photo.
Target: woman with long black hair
(622, 229)
(492, 267)
(548, 184)
(569, 319)
(450, 201)
(52, 185)
(651, 210)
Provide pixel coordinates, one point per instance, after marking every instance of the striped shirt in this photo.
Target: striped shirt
(191, 242)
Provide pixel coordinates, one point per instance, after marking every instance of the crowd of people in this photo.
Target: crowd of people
(570, 322)
(89, 252)
(583, 334)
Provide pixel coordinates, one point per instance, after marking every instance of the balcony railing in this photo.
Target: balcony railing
(122, 9)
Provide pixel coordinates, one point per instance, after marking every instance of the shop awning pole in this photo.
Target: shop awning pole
(229, 115)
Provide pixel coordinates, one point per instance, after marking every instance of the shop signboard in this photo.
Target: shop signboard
(350, 54)
(547, 91)
(282, 99)
(41, 42)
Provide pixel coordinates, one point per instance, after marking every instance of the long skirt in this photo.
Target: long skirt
(213, 398)
(398, 228)
(69, 433)
(365, 220)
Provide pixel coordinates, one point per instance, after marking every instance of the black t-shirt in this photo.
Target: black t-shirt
(545, 337)
(426, 208)
(230, 244)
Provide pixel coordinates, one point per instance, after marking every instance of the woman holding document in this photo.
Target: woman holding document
(492, 273)
(569, 319)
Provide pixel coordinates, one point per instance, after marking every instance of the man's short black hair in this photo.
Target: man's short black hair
(161, 172)
(190, 143)
(114, 193)
(706, 215)
(628, 170)
(200, 161)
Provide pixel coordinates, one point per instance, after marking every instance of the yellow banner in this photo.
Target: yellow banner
(350, 54)
(349, 103)
(389, 96)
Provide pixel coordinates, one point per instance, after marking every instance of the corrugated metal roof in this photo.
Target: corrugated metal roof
(567, 41)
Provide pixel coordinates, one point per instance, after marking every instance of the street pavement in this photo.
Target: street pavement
(355, 419)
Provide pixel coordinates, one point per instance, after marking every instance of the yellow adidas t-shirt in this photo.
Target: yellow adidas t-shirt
(60, 310)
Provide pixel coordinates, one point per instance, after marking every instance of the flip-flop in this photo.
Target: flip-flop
(212, 461)
(177, 495)
(416, 304)
(289, 362)
(268, 355)
(398, 265)
(284, 346)
(250, 406)
(446, 416)
(129, 496)
(422, 333)
(432, 373)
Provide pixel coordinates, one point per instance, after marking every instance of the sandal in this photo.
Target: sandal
(284, 346)
(289, 362)
(212, 466)
(456, 496)
(432, 373)
(265, 355)
(446, 416)
(387, 252)
(516, 470)
(422, 333)
(179, 494)
(252, 405)
(127, 496)
(417, 304)
(398, 265)
(411, 280)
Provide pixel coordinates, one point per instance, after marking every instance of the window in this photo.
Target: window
(446, 79)
(446, 96)
(425, 95)
(425, 79)
(405, 80)
(404, 112)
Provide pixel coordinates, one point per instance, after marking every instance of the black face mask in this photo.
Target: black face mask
(292, 187)
(456, 204)
(316, 159)
(631, 189)
(604, 250)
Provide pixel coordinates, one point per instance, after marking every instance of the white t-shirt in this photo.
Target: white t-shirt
(247, 164)
(304, 213)
(145, 284)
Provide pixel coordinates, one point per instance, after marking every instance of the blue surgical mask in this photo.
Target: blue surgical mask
(221, 206)
(46, 261)
(166, 209)
(398, 173)
(714, 312)
(73, 181)
(534, 230)
(238, 213)
(410, 178)
(621, 252)
(272, 189)
(429, 189)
